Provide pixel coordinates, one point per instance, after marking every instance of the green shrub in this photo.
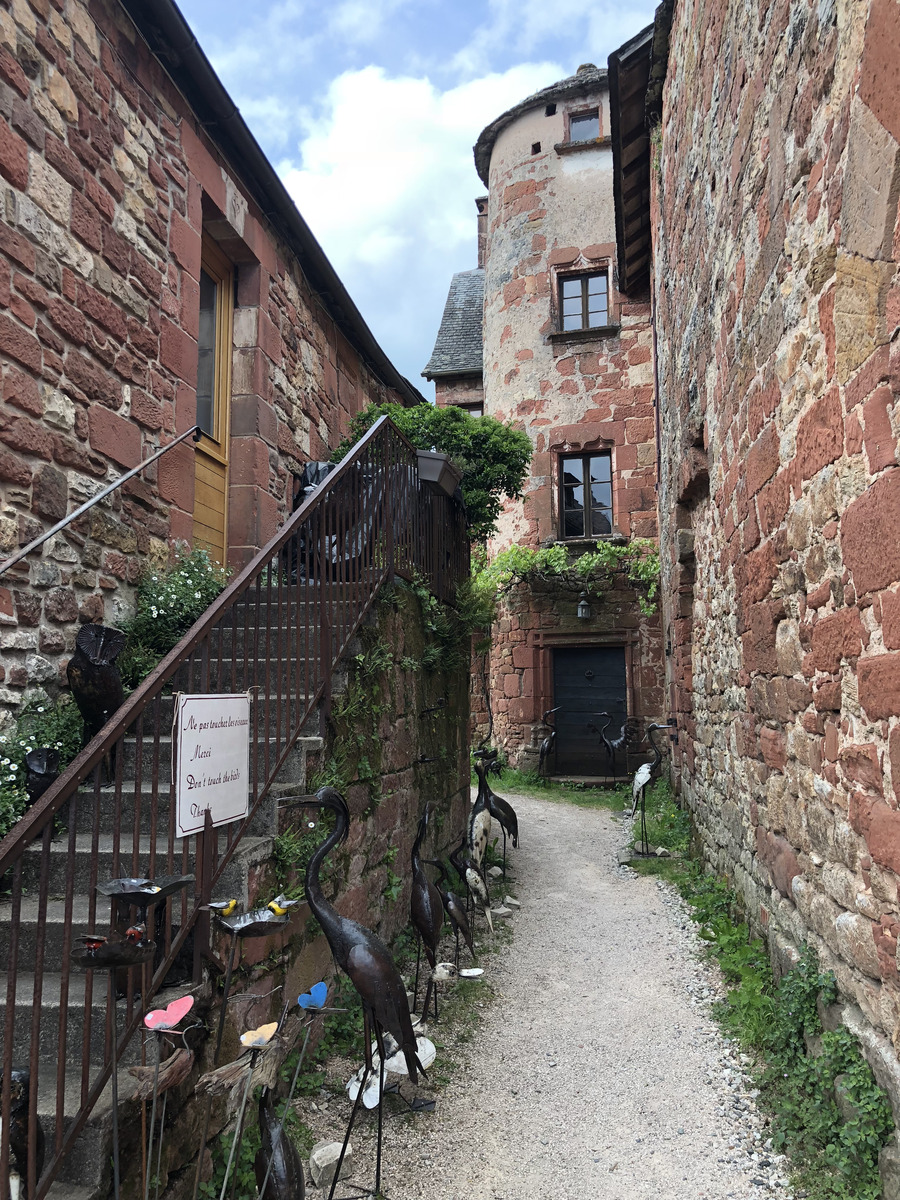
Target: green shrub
(167, 603)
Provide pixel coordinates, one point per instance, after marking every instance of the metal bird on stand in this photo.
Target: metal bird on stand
(366, 960)
(642, 777)
(427, 913)
(95, 679)
(454, 908)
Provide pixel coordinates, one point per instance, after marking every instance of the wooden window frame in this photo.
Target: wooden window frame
(601, 272)
(590, 111)
(588, 509)
(221, 270)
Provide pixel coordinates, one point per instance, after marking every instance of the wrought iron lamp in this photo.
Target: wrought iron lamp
(583, 612)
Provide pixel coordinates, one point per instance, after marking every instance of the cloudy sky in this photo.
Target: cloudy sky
(369, 110)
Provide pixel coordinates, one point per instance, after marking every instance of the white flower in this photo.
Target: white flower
(40, 710)
(196, 595)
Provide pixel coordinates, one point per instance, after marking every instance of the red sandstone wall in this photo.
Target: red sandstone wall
(589, 390)
(107, 182)
(776, 250)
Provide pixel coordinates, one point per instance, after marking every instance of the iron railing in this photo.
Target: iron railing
(277, 632)
(101, 495)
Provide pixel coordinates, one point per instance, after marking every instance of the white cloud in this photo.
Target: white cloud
(387, 183)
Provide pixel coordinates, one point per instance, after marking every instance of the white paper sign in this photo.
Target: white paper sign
(212, 735)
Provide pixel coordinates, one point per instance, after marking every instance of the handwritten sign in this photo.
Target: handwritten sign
(212, 737)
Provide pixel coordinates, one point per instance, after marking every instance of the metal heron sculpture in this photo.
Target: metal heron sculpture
(426, 911)
(642, 777)
(454, 908)
(364, 958)
(548, 742)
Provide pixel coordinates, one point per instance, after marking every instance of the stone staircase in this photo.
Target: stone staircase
(237, 661)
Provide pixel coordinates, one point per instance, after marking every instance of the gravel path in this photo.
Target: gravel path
(598, 1072)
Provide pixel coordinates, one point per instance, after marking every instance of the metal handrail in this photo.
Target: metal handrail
(195, 433)
(278, 631)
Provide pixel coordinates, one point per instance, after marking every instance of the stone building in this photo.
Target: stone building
(154, 274)
(772, 180)
(555, 347)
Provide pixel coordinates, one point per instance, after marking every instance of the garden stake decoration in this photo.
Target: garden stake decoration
(472, 877)
(256, 1040)
(98, 952)
(41, 768)
(366, 960)
(143, 893)
(160, 1021)
(259, 922)
(501, 810)
(274, 1160)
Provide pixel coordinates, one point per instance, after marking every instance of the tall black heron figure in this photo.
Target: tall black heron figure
(426, 911)
(367, 961)
(479, 825)
(548, 742)
(642, 777)
(611, 744)
(454, 908)
(19, 1092)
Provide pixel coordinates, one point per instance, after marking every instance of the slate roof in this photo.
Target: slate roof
(588, 78)
(458, 348)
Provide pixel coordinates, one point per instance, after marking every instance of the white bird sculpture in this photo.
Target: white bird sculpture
(645, 771)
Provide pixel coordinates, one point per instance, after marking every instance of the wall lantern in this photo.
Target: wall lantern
(583, 612)
(437, 472)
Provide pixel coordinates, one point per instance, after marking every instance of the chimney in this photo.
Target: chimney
(482, 205)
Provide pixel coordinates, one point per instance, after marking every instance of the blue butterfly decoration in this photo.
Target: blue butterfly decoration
(315, 997)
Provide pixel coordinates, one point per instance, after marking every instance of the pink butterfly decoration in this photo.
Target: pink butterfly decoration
(165, 1018)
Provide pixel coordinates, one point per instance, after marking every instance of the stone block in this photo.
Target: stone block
(879, 685)
(859, 310)
(857, 945)
(871, 185)
(323, 1163)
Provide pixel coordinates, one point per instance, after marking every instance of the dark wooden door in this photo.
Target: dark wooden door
(587, 681)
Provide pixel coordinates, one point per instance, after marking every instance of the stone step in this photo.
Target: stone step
(250, 854)
(48, 1037)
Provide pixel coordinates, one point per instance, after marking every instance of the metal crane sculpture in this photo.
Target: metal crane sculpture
(500, 810)
(471, 876)
(610, 744)
(367, 962)
(548, 742)
(454, 908)
(427, 913)
(479, 826)
(642, 777)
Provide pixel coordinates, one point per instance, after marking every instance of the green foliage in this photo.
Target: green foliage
(167, 603)
(593, 572)
(493, 457)
(294, 847)
(41, 724)
(834, 1157)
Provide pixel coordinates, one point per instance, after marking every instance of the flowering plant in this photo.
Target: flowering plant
(41, 724)
(167, 604)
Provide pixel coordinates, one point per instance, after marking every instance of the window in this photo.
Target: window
(214, 341)
(550, 110)
(474, 410)
(584, 301)
(585, 489)
(585, 126)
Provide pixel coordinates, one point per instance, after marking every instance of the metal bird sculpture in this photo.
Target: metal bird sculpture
(611, 744)
(277, 1166)
(97, 952)
(472, 877)
(95, 679)
(41, 768)
(479, 826)
(547, 743)
(454, 908)
(366, 960)
(501, 810)
(19, 1092)
(426, 911)
(642, 777)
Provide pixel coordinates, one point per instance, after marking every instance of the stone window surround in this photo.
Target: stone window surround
(567, 448)
(563, 456)
(583, 110)
(580, 265)
(545, 641)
